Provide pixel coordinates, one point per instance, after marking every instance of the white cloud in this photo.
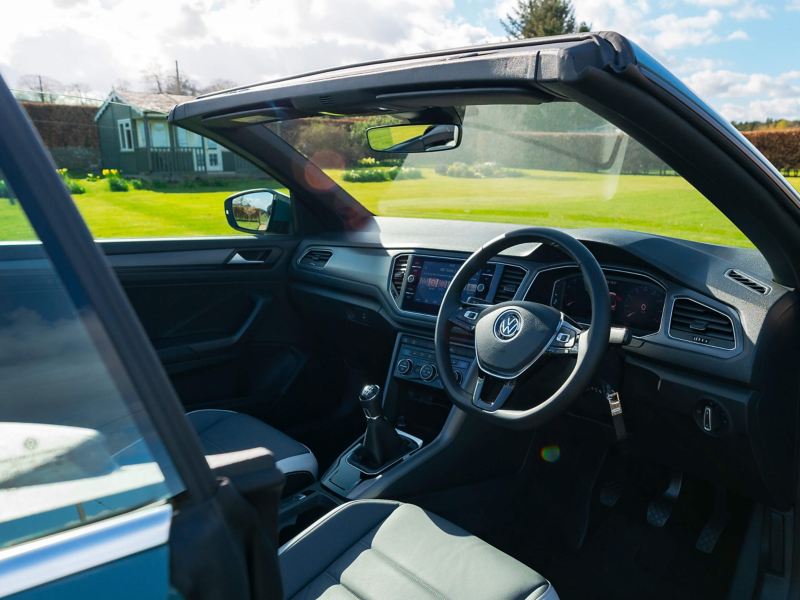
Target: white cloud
(760, 110)
(739, 34)
(733, 84)
(672, 32)
(660, 33)
(749, 11)
(711, 3)
(99, 41)
(793, 5)
(749, 96)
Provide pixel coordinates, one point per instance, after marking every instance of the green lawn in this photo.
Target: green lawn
(665, 205)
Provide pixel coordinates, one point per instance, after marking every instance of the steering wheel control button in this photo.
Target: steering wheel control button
(404, 366)
(466, 318)
(565, 338)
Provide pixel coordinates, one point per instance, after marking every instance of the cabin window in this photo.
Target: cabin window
(125, 135)
(140, 135)
(159, 134)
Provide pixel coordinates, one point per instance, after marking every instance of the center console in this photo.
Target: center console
(415, 405)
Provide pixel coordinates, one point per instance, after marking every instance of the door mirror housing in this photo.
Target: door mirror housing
(259, 211)
(411, 138)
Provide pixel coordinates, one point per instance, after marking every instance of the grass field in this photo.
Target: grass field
(660, 204)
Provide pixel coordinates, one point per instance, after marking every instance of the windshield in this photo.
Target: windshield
(555, 164)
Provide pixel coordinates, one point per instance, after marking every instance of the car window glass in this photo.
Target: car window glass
(554, 164)
(131, 173)
(76, 444)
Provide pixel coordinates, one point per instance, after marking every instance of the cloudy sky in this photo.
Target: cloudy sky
(740, 55)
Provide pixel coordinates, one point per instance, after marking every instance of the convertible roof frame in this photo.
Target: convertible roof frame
(605, 72)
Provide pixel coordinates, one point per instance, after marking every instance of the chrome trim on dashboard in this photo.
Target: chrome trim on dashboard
(440, 256)
(71, 552)
(716, 310)
(614, 270)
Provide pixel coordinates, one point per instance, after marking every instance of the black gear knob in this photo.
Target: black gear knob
(370, 399)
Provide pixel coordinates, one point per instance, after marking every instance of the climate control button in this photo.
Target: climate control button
(427, 372)
(404, 366)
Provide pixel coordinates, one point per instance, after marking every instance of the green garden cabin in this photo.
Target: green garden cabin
(136, 139)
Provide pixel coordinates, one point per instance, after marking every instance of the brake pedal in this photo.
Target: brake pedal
(660, 510)
(716, 525)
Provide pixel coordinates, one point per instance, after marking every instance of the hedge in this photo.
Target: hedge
(780, 146)
(381, 174)
(64, 125)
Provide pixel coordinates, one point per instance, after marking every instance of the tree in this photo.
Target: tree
(217, 85)
(164, 80)
(540, 18)
(47, 89)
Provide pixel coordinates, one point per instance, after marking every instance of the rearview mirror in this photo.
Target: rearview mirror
(258, 211)
(426, 137)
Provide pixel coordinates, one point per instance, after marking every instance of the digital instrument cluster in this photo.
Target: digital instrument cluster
(637, 304)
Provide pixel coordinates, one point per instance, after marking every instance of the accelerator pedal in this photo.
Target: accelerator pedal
(660, 510)
(716, 524)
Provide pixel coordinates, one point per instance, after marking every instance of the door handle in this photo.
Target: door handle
(238, 259)
(259, 256)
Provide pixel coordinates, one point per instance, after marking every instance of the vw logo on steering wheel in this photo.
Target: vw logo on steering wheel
(507, 325)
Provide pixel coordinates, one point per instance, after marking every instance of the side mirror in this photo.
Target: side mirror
(258, 211)
(405, 139)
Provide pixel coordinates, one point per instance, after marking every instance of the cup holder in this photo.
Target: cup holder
(300, 510)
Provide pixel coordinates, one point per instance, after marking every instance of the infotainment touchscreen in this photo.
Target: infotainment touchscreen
(428, 279)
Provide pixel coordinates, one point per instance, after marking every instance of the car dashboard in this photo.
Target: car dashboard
(706, 366)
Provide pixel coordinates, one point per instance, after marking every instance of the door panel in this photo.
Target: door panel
(219, 314)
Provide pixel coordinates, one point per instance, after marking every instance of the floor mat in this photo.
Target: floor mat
(619, 556)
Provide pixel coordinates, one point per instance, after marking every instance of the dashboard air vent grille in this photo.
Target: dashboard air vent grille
(748, 281)
(510, 280)
(701, 324)
(398, 273)
(316, 258)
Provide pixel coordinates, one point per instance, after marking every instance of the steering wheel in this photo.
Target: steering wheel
(511, 337)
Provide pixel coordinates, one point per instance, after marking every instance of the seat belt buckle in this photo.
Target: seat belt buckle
(614, 403)
(615, 407)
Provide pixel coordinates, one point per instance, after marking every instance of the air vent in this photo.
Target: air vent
(316, 258)
(701, 324)
(398, 273)
(326, 100)
(510, 280)
(747, 281)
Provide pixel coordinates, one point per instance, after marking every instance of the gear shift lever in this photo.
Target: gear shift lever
(382, 444)
(370, 399)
